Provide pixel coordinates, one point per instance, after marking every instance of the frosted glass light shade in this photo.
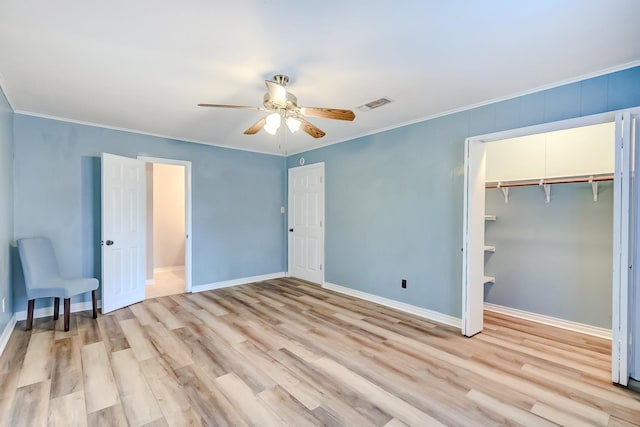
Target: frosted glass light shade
(273, 123)
(293, 124)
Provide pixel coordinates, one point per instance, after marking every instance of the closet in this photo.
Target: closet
(549, 227)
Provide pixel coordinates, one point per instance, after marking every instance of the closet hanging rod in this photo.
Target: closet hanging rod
(563, 180)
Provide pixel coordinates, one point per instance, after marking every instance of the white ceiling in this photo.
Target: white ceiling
(144, 65)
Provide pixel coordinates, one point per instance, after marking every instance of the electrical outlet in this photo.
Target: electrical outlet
(281, 209)
(404, 283)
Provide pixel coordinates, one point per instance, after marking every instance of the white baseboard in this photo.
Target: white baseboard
(48, 311)
(6, 334)
(551, 321)
(408, 308)
(170, 268)
(236, 282)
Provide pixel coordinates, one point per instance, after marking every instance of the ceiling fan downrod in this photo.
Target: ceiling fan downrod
(281, 79)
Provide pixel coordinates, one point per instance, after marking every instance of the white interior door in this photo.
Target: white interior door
(306, 222)
(473, 244)
(623, 244)
(122, 232)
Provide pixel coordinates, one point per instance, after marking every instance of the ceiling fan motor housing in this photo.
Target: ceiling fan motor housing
(291, 103)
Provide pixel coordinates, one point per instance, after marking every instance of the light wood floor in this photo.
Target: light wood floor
(284, 352)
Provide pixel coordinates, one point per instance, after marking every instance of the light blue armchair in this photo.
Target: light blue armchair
(42, 279)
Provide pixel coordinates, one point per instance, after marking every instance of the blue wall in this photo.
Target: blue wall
(6, 207)
(394, 199)
(552, 258)
(236, 199)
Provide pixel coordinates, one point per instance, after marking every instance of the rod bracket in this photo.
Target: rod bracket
(505, 191)
(594, 187)
(547, 190)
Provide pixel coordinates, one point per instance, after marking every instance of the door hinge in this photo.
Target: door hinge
(321, 180)
(320, 266)
(320, 223)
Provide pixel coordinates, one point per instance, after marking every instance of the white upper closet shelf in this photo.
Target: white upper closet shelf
(545, 183)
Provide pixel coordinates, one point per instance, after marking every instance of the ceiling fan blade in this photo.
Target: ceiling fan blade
(328, 113)
(310, 128)
(255, 128)
(245, 107)
(277, 92)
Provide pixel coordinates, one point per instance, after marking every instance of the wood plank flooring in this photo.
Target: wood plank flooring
(286, 352)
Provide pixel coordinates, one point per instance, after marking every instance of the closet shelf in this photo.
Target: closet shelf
(489, 248)
(490, 217)
(489, 279)
(560, 180)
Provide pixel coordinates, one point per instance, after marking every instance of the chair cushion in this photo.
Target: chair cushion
(41, 276)
(61, 288)
(38, 260)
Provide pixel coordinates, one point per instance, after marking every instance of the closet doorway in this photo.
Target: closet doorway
(623, 246)
(167, 227)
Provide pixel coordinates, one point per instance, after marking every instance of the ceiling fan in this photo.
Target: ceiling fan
(283, 106)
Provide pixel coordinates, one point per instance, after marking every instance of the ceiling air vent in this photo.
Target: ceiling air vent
(375, 104)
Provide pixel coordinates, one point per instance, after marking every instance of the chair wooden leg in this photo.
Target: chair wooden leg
(67, 310)
(30, 306)
(94, 300)
(56, 308)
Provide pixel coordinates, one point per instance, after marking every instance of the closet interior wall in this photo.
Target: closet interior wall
(552, 258)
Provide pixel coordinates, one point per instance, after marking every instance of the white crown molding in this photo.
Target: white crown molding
(551, 321)
(6, 334)
(480, 104)
(139, 132)
(407, 308)
(6, 95)
(361, 135)
(236, 282)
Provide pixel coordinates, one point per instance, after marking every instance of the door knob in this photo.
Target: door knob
(291, 230)
(109, 242)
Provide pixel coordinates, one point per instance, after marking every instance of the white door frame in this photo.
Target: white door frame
(474, 203)
(289, 226)
(187, 211)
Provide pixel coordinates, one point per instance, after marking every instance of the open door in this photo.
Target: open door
(473, 244)
(623, 243)
(625, 228)
(122, 232)
(149, 215)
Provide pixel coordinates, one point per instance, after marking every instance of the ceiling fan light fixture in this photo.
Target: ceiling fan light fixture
(283, 105)
(273, 123)
(293, 124)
